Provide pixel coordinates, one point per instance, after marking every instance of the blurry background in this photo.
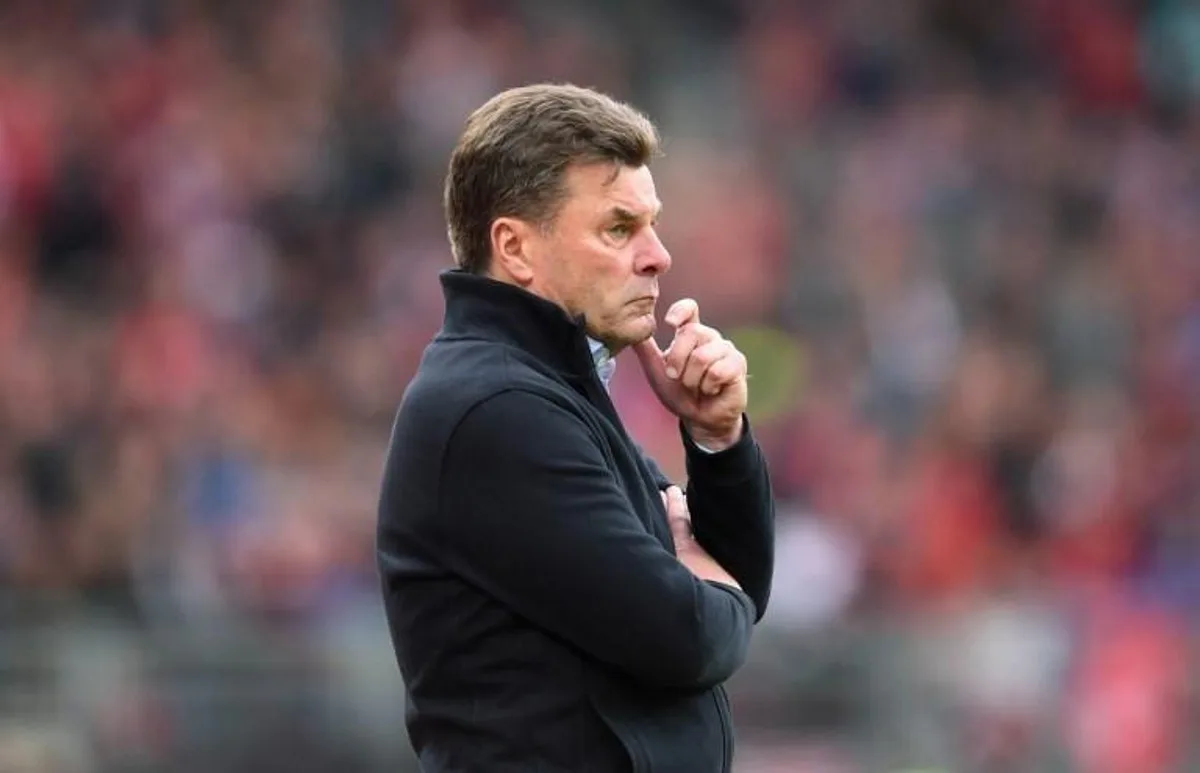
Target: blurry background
(959, 240)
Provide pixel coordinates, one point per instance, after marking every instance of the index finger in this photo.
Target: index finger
(682, 312)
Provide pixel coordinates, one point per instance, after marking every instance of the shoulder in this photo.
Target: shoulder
(519, 418)
(486, 382)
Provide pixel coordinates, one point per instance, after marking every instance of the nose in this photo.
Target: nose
(653, 259)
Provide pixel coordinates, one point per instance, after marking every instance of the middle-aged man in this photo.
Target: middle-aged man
(551, 606)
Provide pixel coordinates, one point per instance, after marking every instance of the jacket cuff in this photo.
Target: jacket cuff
(729, 465)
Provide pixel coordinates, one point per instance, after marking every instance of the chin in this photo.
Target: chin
(633, 332)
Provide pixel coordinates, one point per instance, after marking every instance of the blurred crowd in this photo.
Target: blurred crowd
(957, 239)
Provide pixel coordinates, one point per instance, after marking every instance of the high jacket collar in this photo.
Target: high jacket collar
(486, 308)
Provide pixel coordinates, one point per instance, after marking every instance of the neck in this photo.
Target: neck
(479, 306)
(500, 274)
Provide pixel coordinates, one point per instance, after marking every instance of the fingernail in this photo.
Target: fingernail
(672, 373)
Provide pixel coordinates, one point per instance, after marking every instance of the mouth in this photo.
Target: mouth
(644, 306)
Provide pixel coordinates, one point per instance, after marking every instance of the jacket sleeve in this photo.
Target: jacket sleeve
(531, 513)
(660, 478)
(733, 512)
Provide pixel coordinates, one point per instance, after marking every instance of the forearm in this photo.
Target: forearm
(564, 550)
(733, 512)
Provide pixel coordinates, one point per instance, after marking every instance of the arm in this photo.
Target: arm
(532, 515)
(733, 512)
(660, 477)
(748, 507)
(702, 379)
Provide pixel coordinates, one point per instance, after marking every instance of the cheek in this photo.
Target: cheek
(597, 273)
(598, 277)
(611, 288)
(614, 270)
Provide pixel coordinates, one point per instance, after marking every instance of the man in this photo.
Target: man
(551, 606)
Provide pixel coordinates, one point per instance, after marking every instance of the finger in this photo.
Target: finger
(678, 518)
(676, 357)
(654, 366)
(702, 358)
(682, 312)
(681, 532)
(676, 502)
(724, 372)
(696, 331)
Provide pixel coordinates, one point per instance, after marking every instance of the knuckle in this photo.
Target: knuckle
(684, 343)
(718, 372)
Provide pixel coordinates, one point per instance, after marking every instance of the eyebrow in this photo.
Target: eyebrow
(628, 216)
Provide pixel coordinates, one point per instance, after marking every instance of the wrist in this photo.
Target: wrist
(715, 439)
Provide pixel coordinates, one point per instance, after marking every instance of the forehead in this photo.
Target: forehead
(593, 189)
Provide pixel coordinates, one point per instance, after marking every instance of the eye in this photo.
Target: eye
(620, 231)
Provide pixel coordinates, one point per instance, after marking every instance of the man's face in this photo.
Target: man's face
(601, 256)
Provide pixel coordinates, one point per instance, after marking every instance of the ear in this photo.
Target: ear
(512, 242)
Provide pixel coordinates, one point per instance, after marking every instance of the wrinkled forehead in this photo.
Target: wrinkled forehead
(604, 189)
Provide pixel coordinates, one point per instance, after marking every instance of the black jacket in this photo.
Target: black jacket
(539, 616)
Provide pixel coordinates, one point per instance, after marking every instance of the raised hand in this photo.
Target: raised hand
(701, 377)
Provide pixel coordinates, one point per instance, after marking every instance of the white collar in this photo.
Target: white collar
(605, 363)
